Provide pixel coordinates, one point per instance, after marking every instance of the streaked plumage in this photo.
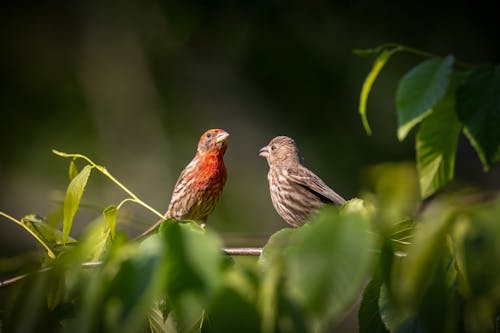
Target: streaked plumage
(200, 184)
(296, 192)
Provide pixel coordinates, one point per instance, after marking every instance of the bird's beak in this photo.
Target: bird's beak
(221, 136)
(264, 152)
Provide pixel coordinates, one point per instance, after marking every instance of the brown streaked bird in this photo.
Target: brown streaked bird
(296, 192)
(200, 184)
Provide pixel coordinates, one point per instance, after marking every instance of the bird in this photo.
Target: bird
(200, 184)
(296, 192)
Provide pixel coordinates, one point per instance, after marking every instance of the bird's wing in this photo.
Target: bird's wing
(181, 194)
(313, 183)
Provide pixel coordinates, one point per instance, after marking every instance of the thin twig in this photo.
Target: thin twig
(231, 251)
(243, 251)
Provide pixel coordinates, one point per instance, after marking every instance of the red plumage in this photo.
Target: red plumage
(200, 184)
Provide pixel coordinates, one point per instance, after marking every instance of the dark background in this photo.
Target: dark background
(134, 84)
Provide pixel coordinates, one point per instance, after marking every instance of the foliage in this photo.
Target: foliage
(414, 266)
(446, 96)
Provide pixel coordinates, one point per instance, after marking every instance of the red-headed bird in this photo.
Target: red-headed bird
(201, 182)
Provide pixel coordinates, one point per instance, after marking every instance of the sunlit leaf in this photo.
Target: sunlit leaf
(478, 108)
(73, 169)
(110, 214)
(72, 199)
(47, 233)
(378, 64)
(419, 90)
(436, 144)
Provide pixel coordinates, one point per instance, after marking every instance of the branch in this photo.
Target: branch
(243, 251)
(230, 251)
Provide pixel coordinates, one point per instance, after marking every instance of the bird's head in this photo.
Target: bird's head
(281, 150)
(213, 141)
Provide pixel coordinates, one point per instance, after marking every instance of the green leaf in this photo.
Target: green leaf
(478, 108)
(231, 312)
(378, 64)
(369, 313)
(194, 271)
(159, 325)
(419, 90)
(45, 232)
(110, 214)
(271, 264)
(73, 169)
(436, 144)
(414, 273)
(119, 295)
(327, 264)
(72, 199)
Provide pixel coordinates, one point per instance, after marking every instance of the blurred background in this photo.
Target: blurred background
(133, 84)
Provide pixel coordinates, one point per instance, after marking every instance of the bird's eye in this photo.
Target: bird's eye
(209, 135)
(273, 148)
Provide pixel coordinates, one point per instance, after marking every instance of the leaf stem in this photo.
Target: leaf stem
(404, 48)
(105, 172)
(22, 225)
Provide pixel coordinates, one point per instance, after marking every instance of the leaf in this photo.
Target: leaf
(194, 270)
(419, 90)
(72, 199)
(73, 169)
(271, 264)
(231, 312)
(110, 214)
(413, 274)
(378, 64)
(478, 108)
(369, 314)
(327, 264)
(394, 318)
(158, 325)
(436, 144)
(119, 295)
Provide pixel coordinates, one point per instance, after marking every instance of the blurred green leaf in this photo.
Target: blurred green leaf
(478, 252)
(271, 264)
(478, 108)
(231, 312)
(120, 293)
(414, 271)
(393, 190)
(327, 264)
(45, 232)
(394, 318)
(377, 66)
(110, 214)
(195, 270)
(72, 199)
(419, 90)
(436, 143)
(369, 312)
(159, 325)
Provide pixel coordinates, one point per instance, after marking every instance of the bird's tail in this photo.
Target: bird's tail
(151, 229)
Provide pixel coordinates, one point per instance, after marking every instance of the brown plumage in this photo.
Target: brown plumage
(296, 192)
(200, 184)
